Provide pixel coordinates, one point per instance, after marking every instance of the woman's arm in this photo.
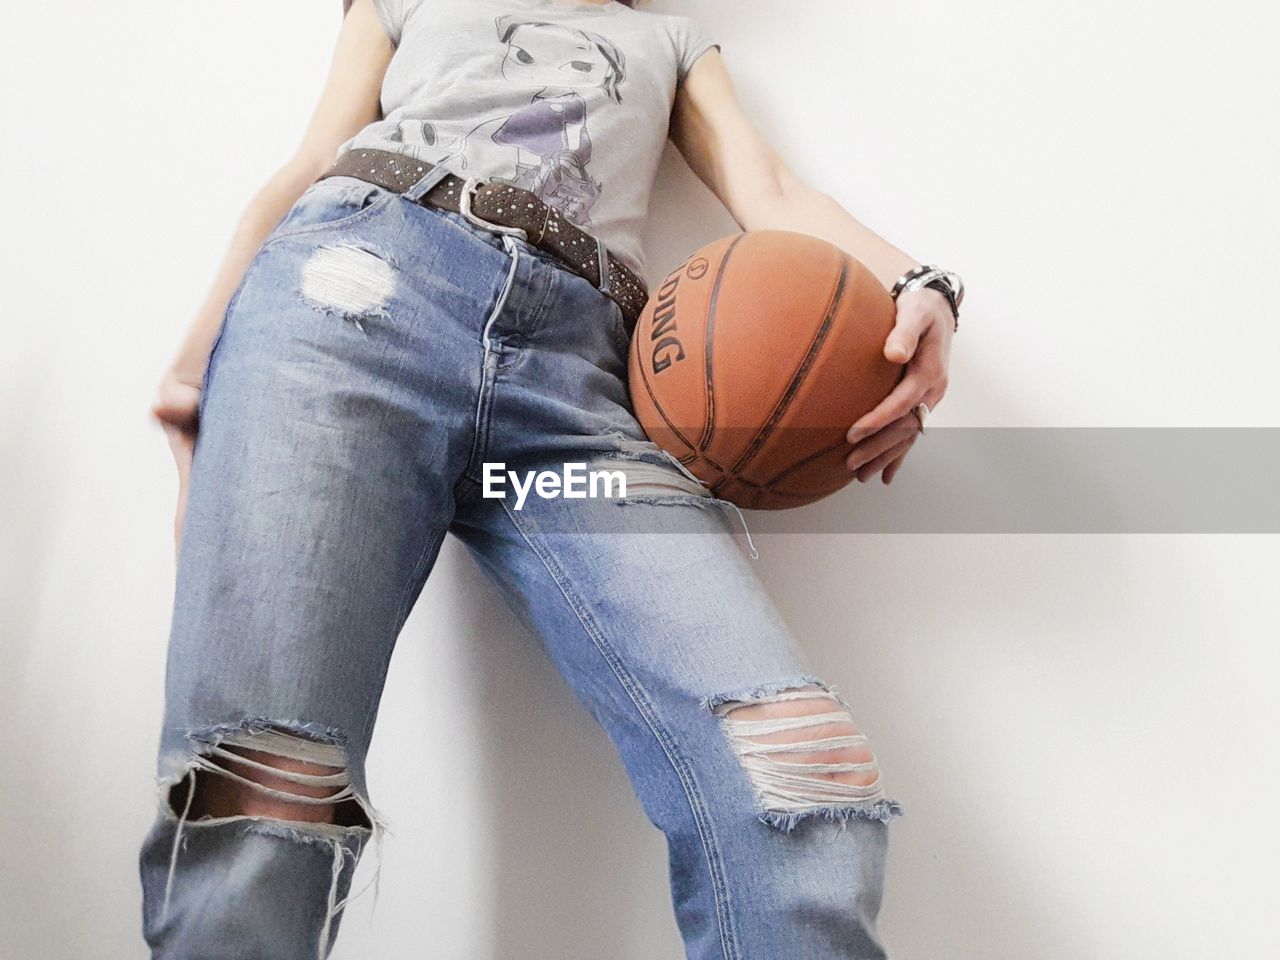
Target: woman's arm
(740, 167)
(349, 101)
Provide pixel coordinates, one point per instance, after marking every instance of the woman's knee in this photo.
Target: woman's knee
(273, 775)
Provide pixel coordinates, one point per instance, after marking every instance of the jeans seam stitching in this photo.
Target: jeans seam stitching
(489, 385)
(539, 313)
(206, 377)
(534, 318)
(636, 693)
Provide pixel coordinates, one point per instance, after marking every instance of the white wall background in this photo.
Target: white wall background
(1082, 728)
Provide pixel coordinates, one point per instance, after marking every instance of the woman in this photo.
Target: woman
(383, 336)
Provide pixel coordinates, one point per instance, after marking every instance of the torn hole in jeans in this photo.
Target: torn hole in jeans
(657, 477)
(803, 753)
(242, 757)
(349, 281)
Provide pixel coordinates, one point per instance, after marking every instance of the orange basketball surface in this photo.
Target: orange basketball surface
(754, 357)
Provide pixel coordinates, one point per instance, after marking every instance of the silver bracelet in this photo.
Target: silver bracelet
(946, 282)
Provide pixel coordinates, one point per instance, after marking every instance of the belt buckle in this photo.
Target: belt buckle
(469, 187)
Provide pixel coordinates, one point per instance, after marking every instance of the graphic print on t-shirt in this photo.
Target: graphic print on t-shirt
(544, 147)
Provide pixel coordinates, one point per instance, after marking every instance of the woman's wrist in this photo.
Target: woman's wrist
(929, 277)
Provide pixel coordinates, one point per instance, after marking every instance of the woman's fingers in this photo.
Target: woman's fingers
(912, 319)
(182, 445)
(909, 391)
(937, 390)
(882, 462)
(900, 346)
(892, 469)
(883, 440)
(177, 409)
(176, 401)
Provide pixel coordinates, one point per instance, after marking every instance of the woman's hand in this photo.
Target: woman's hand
(175, 408)
(921, 339)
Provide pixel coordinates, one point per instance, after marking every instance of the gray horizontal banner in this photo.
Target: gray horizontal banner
(1062, 480)
(1058, 480)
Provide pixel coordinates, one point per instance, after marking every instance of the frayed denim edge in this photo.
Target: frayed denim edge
(765, 690)
(215, 734)
(787, 820)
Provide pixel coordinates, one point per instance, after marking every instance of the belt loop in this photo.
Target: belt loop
(602, 257)
(428, 181)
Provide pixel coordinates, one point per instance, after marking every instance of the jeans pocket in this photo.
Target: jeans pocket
(330, 203)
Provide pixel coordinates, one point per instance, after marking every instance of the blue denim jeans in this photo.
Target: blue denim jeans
(377, 355)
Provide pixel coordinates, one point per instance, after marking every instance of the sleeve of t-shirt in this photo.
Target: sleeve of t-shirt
(391, 14)
(691, 42)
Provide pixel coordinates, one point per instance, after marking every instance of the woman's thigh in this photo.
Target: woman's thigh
(337, 412)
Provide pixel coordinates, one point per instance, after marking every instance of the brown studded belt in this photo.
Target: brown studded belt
(502, 208)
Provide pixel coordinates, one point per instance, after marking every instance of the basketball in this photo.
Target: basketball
(754, 357)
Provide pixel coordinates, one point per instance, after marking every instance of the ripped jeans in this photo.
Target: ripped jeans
(377, 355)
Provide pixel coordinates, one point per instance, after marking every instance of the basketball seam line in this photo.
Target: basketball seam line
(802, 372)
(648, 388)
(696, 448)
(713, 307)
(800, 465)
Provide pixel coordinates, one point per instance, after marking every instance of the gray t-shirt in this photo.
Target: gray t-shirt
(569, 100)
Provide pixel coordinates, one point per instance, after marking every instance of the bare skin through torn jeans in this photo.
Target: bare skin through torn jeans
(376, 356)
